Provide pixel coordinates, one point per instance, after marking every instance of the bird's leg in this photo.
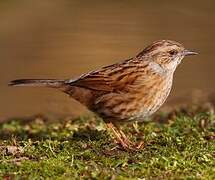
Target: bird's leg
(136, 146)
(118, 135)
(140, 144)
(125, 138)
(122, 138)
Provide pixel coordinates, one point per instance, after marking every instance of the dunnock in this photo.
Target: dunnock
(126, 91)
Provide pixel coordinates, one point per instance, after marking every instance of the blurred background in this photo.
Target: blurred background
(65, 38)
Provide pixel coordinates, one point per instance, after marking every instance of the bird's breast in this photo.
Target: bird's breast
(151, 97)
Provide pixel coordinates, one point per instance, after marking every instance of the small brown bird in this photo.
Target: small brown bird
(126, 91)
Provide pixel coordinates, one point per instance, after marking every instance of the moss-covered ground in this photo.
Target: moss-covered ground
(178, 145)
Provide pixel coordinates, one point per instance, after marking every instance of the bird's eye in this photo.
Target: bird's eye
(173, 52)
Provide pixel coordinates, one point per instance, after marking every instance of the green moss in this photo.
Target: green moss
(182, 147)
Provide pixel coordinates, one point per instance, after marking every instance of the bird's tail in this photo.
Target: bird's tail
(53, 83)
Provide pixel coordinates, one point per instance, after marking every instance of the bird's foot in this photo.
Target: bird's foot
(131, 147)
(123, 141)
(130, 144)
(127, 145)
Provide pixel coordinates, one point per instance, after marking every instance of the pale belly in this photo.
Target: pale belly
(146, 110)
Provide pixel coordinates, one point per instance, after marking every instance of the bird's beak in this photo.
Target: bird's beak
(188, 52)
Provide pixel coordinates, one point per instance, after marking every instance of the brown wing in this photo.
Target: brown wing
(116, 77)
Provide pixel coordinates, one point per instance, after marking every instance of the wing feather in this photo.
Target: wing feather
(111, 78)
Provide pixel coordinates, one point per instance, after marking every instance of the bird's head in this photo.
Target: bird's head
(168, 54)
